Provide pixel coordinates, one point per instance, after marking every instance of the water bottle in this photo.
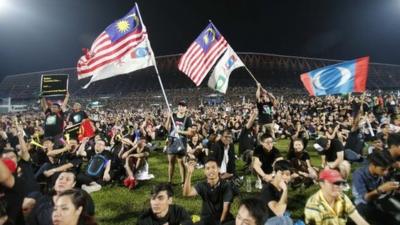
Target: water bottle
(248, 184)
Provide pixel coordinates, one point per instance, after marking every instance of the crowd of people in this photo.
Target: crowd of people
(52, 160)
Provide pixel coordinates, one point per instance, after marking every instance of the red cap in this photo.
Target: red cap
(10, 165)
(330, 175)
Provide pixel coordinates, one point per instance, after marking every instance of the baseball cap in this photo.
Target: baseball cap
(10, 165)
(182, 103)
(330, 175)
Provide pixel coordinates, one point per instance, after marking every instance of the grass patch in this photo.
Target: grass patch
(117, 205)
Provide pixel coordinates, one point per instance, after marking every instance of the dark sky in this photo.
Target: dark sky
(38, 35)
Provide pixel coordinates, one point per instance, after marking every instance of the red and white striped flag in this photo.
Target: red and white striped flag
(202, 54)
(121, 48)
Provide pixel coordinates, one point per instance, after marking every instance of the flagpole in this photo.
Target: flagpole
(156, 68)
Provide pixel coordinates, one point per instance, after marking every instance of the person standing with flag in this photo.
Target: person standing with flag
(181, 130)
(265, 103)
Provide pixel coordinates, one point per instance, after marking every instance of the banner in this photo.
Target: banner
(54, 84)
(342, 78)
(220, 76)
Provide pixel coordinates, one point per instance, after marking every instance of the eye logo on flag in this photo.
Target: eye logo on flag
(346, 77)
(220, 76)
(231, 61)
(140, 52)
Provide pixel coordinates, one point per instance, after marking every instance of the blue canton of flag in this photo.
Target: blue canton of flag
(208, 37)
(127, 24)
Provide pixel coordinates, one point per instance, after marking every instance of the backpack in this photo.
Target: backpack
(175, 144)
(97, 165)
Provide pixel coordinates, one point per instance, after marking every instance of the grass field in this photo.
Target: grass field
(117, 205)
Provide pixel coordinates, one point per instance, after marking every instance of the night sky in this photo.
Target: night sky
(37, 35)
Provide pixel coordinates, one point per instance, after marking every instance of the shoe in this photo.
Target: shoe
(91, 188)
(258, 184)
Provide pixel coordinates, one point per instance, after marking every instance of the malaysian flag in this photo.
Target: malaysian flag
(202, 54)
(121, 48)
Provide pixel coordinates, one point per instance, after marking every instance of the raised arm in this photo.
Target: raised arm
(188, 190)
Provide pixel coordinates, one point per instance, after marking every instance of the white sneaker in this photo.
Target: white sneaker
(91, 188)
(258, 184)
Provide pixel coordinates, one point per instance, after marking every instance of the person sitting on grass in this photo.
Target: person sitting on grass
(300, 161)
(162, 210)
(216, 194)
(42, 211)
(275, 193)
(98, 170)
(263, 158)
(371, 191)
(252, 211)
(330, 206)
(332, 155)
(71, 208)
(136, 166)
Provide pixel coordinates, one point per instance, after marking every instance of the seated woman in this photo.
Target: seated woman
(195, 150)
(136, 166)
(71, 208)
(300, 160)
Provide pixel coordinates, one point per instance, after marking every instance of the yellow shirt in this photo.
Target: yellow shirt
(319, 212)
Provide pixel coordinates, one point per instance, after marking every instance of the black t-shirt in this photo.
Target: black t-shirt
(331, 153)
(355, 142)
(270, 193)
(41, 213)
(77, 117)
(299, 160)
(14, 197)
(54, 123)
(213, 201)
(31, 185)
(264, 112)
(246, 140)
(176, 215)
(182, 124)
(266, 158)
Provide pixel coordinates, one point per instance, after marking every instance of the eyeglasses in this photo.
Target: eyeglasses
(227, 137)
(340, 183)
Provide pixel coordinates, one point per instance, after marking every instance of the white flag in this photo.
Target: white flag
(220, 76)
(138, 58)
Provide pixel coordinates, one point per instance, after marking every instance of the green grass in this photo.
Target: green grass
(117, 205)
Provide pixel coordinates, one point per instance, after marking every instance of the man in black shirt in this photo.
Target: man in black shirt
(162, 211)
(75, 118)
(54, 122)
(224, 153)
(264, 156)
(216, 194)
(248, 138)
(332, 155)
(275, 194)
(265, 104)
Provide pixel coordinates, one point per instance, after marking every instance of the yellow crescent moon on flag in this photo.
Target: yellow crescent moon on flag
(205, 37)
(135, 19)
